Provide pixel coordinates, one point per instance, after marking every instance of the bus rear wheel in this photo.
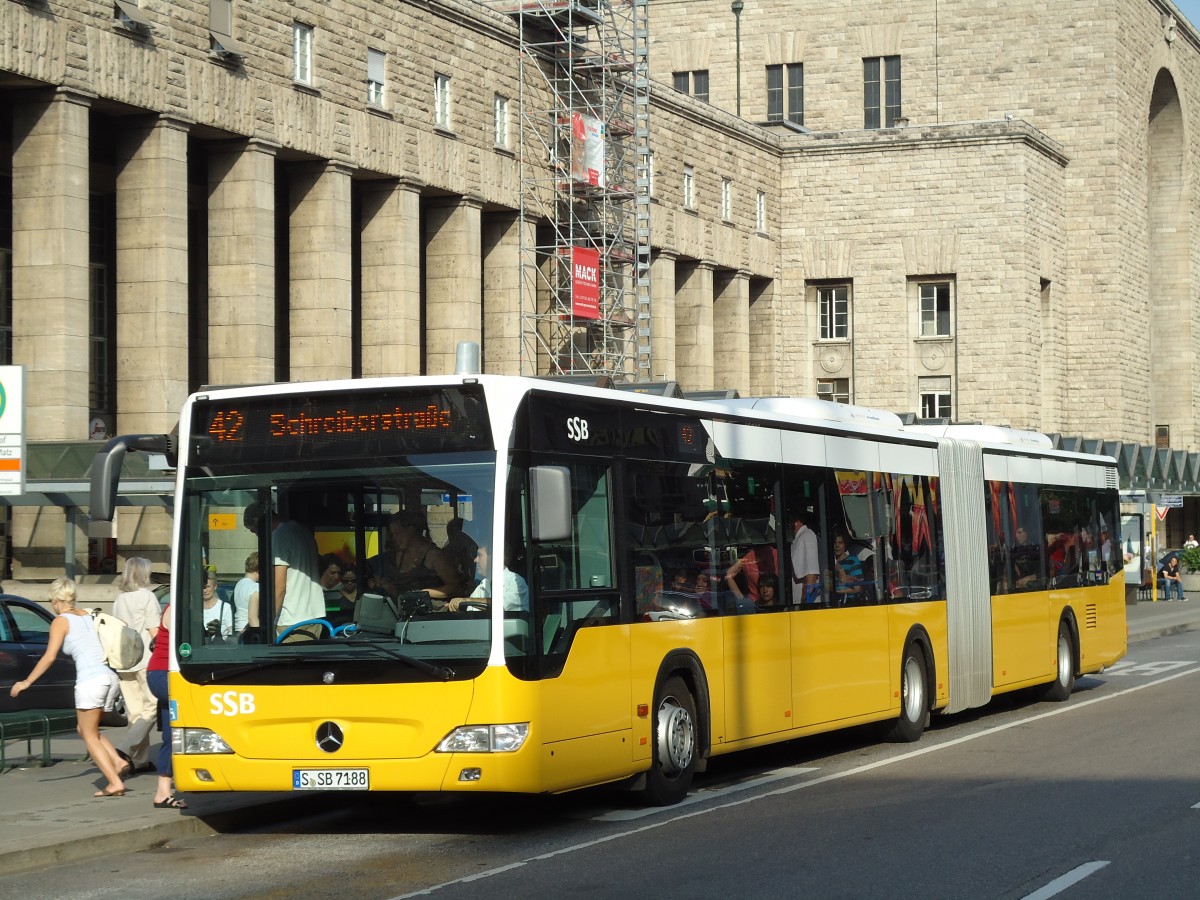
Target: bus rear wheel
(1064, 681)
(675, 744)
(914, 697)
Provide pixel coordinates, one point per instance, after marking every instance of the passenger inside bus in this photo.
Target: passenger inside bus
(847, 574)
(412, 562)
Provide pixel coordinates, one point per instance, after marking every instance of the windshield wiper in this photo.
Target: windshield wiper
(442, 673)
(255, 666)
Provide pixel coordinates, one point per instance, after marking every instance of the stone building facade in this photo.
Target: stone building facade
(189, 197)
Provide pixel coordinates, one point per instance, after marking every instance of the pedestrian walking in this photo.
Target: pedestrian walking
(138, 608)
(96, 686)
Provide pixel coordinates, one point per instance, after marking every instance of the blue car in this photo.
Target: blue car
(24, 633)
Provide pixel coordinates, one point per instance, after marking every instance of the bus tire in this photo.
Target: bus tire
(914, 697)
(675, 744)
(1064, 680)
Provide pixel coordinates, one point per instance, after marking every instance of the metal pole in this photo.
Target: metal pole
(737, 6)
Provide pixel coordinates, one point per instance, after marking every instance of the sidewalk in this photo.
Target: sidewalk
(49, 816)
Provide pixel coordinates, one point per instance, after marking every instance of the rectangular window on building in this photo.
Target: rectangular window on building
(220, 16)
(376, 77)
(726, 199)
(1162, 437)
(833, 312)
(689, 187)
(500, 129)
(935, 398)
(694, 83)
(302, 38)
(881, 91)
(935, 309)
(441, 101)
(787, 104)
(760, 212)
(836, 390)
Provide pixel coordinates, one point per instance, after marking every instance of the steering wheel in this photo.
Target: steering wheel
(307, 636)
(473, 606)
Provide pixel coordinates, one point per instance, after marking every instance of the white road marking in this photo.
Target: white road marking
(627, 815)
(1062, 882)
(1129, 667)
(804, 785)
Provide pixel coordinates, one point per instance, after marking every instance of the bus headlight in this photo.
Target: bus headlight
(485, 739)
(197, 741)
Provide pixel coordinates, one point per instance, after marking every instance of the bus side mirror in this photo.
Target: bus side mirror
(550, 497)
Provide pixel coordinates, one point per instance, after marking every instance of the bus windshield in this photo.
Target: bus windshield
(339, 543)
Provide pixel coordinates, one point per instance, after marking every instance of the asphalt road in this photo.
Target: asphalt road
(1098, 797)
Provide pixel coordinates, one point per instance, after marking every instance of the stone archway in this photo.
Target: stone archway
(1168, 191)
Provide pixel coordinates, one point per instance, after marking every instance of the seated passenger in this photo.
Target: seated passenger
(768, 592)
(751, 567)
(848, 572)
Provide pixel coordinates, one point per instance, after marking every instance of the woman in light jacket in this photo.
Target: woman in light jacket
(138, 608)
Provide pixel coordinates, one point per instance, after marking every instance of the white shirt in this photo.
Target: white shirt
(516, 591)
(140, 611)
(806, 557)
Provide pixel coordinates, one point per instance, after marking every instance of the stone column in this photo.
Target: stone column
(731, 327)
(51, 270)
(241, 264)
(694, 326)
(320, 273)
(453, 281)
(152, 303)
(152, 269)
(662, 316)
(51, 292)
(391, 278)
(502, 292)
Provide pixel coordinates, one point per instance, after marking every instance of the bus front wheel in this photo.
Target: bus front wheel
(1064, 681)
(914, 697)
(675, 744)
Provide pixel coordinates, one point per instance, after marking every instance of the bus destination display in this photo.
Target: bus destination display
(338, 425)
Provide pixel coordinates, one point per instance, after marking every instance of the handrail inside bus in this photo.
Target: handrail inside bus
(106, 469)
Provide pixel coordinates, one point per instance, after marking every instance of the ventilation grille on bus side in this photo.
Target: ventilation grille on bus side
(1090, 618)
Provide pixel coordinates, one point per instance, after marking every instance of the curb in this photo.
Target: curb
(248, 814)
(1150, 634)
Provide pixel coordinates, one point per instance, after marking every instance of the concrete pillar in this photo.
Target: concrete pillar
(241, 264)
(453, 281)
(320, 272)
(51, 291)
(51, 272)
(694, 326)
(391, 278)
(731, 322)
(662, 316)
(764, 339)
(502, 292)
(152, 269)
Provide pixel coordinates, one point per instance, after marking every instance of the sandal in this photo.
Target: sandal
(107, 793)
(171, 803)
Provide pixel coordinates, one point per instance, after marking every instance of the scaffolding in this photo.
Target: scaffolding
(585, 187)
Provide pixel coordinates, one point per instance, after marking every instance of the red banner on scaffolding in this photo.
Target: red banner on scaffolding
(585, 283)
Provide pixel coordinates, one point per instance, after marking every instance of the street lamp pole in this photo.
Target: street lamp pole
(737, 6)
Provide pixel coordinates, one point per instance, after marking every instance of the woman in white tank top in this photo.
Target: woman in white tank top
(96, 685)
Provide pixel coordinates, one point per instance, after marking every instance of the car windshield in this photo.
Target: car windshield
(342, 562)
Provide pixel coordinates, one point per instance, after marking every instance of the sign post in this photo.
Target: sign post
(12, 430)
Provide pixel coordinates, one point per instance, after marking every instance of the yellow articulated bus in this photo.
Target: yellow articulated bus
(490, 583)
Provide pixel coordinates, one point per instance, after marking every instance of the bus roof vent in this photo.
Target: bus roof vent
(466, 358)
